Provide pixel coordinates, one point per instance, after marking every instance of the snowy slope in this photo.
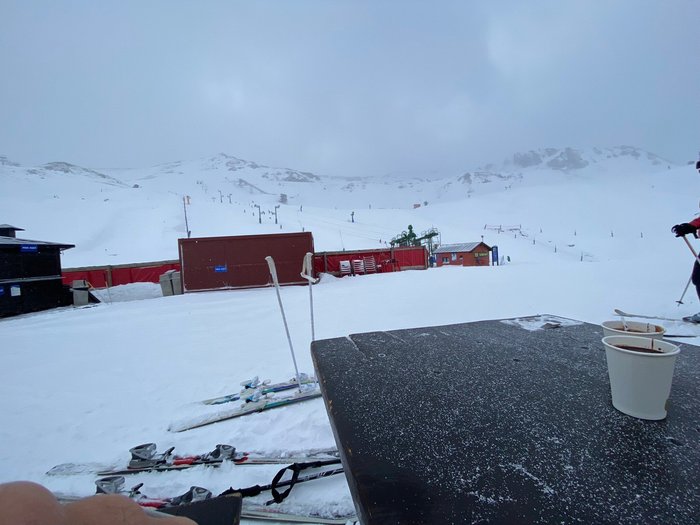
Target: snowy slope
(85, 385)
(120, 216)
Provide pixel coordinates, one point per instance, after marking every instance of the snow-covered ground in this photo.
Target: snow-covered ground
(87, 384)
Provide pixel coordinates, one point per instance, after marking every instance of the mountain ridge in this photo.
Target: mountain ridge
(565, 159)
(126, 215)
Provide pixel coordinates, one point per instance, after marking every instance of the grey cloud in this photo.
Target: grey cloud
(345, 87)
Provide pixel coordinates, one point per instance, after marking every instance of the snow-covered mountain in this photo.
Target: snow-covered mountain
(570, 159)
(550, 165)
(138, 214)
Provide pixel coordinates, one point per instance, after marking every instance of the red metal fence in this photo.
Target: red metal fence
(386, 260)
(114, 275)
(288, 265)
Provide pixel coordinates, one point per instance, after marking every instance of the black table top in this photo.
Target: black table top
(492, 422)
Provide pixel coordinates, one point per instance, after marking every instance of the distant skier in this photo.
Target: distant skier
(686, 228)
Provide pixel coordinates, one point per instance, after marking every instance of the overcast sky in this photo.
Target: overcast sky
(345, 87)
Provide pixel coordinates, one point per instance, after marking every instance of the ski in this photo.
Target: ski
(264, 513)
(144, 459)
(252, 405)
(251, 385)
(115, 485)
(309, 455)
(157, 507)
(678, 319)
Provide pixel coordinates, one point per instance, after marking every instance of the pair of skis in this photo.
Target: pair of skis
(257, 402)
(258, 398)
(145, 459)
(251, 386)
(687, 319)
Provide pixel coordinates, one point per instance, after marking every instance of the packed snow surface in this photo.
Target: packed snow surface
(578, 239)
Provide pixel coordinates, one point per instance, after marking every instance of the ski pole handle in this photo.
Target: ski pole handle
(273, 270)
(690, 246)
(307, 268)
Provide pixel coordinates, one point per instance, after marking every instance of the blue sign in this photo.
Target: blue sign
(494, 255)
(28, 248)
(221, 269)
(2, 291)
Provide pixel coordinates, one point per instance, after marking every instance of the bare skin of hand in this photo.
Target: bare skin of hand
(27, 503)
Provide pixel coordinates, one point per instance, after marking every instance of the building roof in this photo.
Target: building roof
(10, 227)
(7, 241)
(462, 247)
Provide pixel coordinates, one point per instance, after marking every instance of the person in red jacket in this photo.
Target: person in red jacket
(686, 228)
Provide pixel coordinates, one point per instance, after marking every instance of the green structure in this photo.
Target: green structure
(409, 238)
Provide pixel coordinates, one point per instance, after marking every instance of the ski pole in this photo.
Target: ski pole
(697, 260)
(307, 273)
(295, 468)
(690, 247)
(273, 273)
(680, 301)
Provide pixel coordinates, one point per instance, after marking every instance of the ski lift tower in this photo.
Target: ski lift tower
(409, 238)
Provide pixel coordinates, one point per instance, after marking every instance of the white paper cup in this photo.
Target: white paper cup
(634, 328)
(640, 383)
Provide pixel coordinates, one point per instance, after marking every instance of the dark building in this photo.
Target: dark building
(30, 274)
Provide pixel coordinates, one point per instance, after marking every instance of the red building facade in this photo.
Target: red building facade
(465, 254)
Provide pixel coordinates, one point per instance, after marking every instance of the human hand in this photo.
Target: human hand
(684, 229)
(27, 503)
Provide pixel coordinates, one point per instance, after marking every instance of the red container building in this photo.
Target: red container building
(220, 263)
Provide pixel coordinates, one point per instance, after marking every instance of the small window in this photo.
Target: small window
(454, 256)
(445, 260)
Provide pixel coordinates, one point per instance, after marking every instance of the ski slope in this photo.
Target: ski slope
(88, 384)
